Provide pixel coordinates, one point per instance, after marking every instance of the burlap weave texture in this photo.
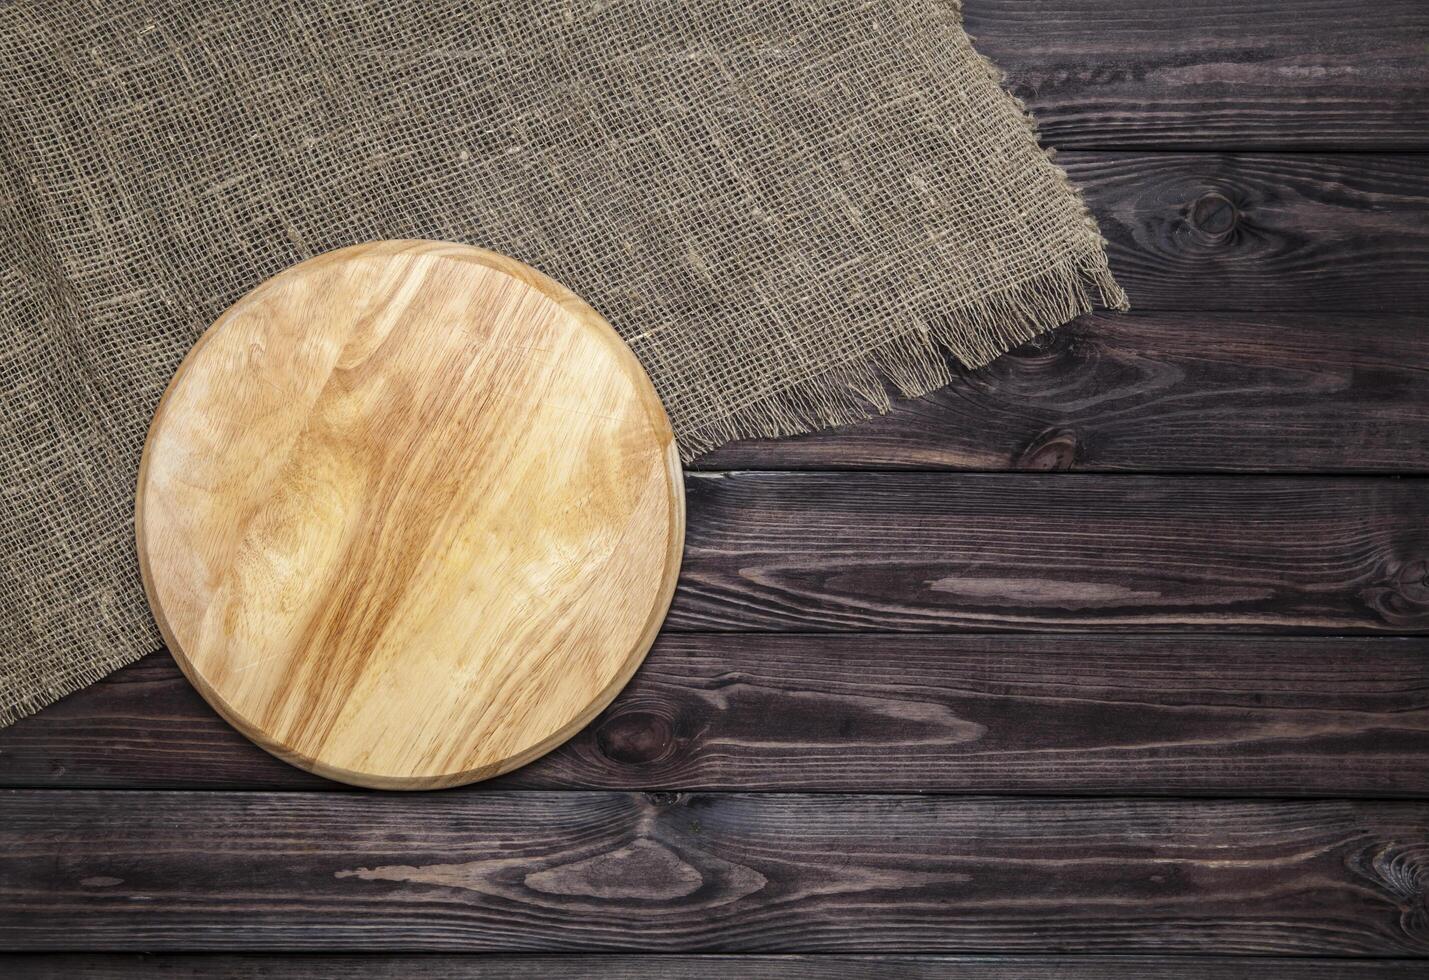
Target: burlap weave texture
(789, 209)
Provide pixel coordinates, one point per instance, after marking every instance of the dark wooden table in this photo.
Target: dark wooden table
(1111, 660)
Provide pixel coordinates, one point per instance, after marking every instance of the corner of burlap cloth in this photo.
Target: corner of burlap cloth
(1067, 275)
(790, 210)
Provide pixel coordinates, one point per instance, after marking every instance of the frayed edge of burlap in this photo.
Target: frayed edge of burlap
(916, 363)
(86, 675)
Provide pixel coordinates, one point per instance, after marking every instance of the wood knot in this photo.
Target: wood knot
(664, 799)
(635, 738)
(646, 870)
(1051, 344)
(1401, 872)
(1052, 449)
(1400, 594)
(1214, 215)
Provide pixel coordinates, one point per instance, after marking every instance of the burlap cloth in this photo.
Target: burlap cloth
(788, 209)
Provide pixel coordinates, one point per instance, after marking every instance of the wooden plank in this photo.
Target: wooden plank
(1169, 392)
(926, 552)
(496, 871)
(1124, 715)
(1220, 73)
(1243, 232)
(618, 966)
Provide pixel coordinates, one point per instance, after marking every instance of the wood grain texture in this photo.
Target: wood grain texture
(618, 966)
(1161, 391)
(1245, 232)
(923, 552)
(409, 514)
(1215, 73)
(487, 870)
(1280, 302)
(1125, 715)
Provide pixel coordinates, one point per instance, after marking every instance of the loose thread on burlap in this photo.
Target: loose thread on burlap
(916, 362)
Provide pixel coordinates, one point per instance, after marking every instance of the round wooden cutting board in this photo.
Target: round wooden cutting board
(410, 514)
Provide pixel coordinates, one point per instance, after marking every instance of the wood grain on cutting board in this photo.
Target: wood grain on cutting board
(410, 514)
